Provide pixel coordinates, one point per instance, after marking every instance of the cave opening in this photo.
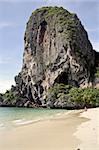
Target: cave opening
(62, 78)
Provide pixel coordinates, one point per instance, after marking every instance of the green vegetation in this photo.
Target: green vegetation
(60, 88)
(97, 73)
(50, 10)
(79, 97)
(86, 96)
(63, 17)
(9, 96)
(60, 96)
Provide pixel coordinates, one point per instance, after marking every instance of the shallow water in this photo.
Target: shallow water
(11, 117)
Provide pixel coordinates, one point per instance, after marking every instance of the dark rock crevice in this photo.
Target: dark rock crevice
(42, 27)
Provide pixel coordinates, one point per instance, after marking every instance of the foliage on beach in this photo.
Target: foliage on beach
(13, 99)
(9, 96)
(58, 96)
(86, 96)
(72, 97)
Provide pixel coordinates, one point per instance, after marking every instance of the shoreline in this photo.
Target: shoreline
(63, 132)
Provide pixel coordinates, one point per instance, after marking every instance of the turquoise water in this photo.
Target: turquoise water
(11, 117)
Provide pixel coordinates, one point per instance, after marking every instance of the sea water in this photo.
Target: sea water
(11, 117)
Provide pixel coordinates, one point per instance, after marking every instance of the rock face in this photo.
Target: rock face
(96, 81)
(56, 50)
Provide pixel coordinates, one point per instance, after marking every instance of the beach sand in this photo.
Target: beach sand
(78, 129)
(88, 132)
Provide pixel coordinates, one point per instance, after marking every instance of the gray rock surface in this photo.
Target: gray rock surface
(56, 50)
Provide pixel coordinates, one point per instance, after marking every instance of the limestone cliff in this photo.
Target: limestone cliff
(96, 80)
(56, 50)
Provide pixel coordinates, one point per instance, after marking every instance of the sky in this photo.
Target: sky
(13, 17)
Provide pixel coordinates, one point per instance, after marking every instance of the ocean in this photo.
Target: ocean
(12, 117)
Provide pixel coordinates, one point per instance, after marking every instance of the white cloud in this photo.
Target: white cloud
(92, 29)
(19, 1)
(5, 85)
(9, 24)
(6, 60)
(64, 1)
(5, 24)
(52, 2)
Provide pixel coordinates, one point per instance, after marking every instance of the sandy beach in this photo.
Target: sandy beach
(78, 129)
